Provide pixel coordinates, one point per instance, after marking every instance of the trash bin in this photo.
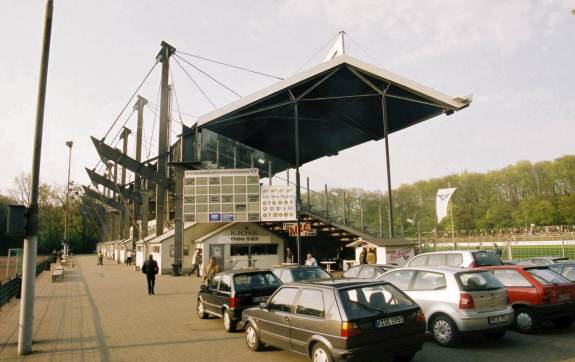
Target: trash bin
(47, 266)
(176, 269)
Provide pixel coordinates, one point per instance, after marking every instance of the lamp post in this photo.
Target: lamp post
(69, 144)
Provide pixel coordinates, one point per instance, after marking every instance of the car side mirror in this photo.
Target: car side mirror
(263, 305)
(203, 287)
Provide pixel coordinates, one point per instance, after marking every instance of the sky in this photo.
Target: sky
(515, 57)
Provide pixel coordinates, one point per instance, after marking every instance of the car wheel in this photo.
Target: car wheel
(252, 338)
(201, 309)
(229, 323)
(320, 353)
(445, 331)
(404, 358)
(564, 322)
(495, 335)
(526, 321)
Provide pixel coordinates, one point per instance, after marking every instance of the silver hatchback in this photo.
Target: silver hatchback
(456, 301)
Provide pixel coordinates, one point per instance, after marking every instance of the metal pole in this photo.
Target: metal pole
(137, 179)
(380, 222)
(387, 164)
(270, 172)
(287, 176)
(65, 251)
(163, 146)
(344, 209)
(361, 213)
(25, 325)
(307, 188)
(297, 180)
(452, 224)
(325, 200)
(235, 154)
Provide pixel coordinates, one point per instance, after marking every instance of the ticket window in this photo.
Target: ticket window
(252, 255)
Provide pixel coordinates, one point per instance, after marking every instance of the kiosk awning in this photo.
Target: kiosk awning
(340, 103)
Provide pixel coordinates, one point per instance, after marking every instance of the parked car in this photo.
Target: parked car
(537, 293)
(288, 274)
(229, 293)
(456, 301)
(543, 260)
(338, 319)
(458, 258)
(567, 269)
(367, 271)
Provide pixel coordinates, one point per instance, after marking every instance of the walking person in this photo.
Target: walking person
(371, 257)
(211, 270)
(196, 262)
(150, 268)
(363, 256)
(100, 258)
(129, 256)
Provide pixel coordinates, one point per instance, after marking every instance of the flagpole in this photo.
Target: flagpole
(452, 225)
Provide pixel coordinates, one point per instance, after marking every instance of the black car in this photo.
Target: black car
(288, 274)
(367, 271)
(229, 293)
(338, 319)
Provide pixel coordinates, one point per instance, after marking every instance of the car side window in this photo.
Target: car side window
(419, 260)
(352, 272)
(435, 260)
(278, 273)
(366, 272)
(226, 284)
(310, 303)
(429, 281)
(215, 282)
(511, 278)
(569, 272)
(399, 278)
(283, 300)
(454, 259)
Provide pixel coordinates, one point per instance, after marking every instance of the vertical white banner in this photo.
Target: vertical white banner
(442, 201)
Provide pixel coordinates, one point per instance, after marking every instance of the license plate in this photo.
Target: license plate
(386, 322)
(498, 319)
(563, 297)
(260, 299)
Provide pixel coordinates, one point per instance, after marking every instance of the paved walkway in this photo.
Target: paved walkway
(103, 313)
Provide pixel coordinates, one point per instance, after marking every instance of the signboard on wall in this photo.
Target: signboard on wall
(278, 203)
(399, 256)
(306, 229)
(222, 195)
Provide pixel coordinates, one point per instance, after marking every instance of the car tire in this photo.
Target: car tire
(564, 322)
(201, 310)
(320, 353)
(253, 338)
(526, 321)
(494, 336)
(229, 323)
(404, 358)
(445, 332)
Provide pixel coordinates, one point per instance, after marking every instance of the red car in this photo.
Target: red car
(537, 293)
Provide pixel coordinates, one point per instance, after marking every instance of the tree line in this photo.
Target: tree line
(84, 228)
(515, 197)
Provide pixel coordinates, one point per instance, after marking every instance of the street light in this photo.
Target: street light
(69, 144)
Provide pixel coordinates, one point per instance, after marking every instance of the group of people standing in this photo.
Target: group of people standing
(368, 256)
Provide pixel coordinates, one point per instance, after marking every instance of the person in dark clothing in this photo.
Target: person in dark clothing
(150, 268)
(363, 256)
(498, 251)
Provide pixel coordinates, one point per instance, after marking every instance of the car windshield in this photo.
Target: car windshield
(365, 301)
(547, 276)
(478, 281)
(309, 273)
(252, 281)
(486, 258)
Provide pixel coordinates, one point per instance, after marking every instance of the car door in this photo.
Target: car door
(211, 296)
(307, 318)
(223, 293)
(429, 290)
(274, 325)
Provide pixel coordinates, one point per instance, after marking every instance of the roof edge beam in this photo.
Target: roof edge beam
(317, 84)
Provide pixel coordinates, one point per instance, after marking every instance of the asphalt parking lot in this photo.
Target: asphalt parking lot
(551, 344)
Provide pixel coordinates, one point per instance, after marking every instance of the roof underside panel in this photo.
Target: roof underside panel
(338, 108)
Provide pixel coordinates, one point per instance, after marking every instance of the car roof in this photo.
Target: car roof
(376, 265)
(450, 252)
(513, 266)
(243, 271)
(336, 283)
(439, 268)
(295, 267)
